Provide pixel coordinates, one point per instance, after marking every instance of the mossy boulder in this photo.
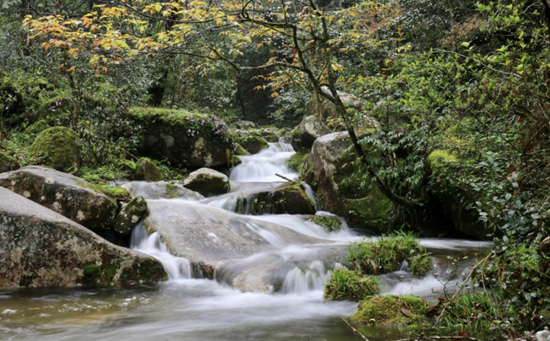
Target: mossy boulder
(7, 163)
(391, 311)
(129, 216)
(41, 248)
(146, 170)
(350, 285)
(331, 170)
(66, 194)
(58, 148)
(288, 198)
(328, 222)
(253, 144)
(239, 150)
(185, 139)
(207, 182)
(303, 136)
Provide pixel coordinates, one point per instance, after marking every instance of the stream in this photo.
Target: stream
(187, 307)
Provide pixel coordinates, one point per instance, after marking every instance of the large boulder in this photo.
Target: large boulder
(288, 198)
(57, 147)
(220, 244)
(146, 170)
(207, 182)
(41, 248)
(307, 132)
(160, 190)
(184, 139)
(65, 194)
(253, 144)
(331, 170)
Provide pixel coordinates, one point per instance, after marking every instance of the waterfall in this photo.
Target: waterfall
(176, 267)
(263, 166)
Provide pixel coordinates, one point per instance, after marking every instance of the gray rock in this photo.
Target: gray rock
(218, 241)
(307, 131)
(184, 140)
(332, 167)
(129, 216)
(207, 182)
(65, 194)
(41, 248)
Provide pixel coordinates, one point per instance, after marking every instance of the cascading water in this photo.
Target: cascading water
(185, 308)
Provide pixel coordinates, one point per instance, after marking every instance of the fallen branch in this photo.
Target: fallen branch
(284, 177)
(355, 330)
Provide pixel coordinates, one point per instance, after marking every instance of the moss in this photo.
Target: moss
(329, 223)
(385, 254)
(350, 285)
(7, 163)
(296, 161)
(57, 148)
(239, 150)
(235, 161)
(115, 192)
(373, 210)
(439, 157)
(392, 311)
(253, 144)
(91, 273)
(146, 170)
(421, 264)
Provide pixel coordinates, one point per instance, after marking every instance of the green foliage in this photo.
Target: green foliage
(296, 161)
(350, 285)
(387, 254)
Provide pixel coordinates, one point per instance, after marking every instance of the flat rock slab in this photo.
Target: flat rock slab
(213, 239)
(41, 248)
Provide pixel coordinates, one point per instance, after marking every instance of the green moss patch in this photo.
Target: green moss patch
(392, 311)
(388, 253)
(58, 148)
(350, 285)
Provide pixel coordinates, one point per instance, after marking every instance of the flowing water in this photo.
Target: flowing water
(186, 308)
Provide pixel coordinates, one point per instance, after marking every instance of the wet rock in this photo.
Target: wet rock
(288, 198)
(41, 248)
(146, 170)
(160, 190)
(129, 216)
(330, 169)
(207, 182)
(225, 243)
(253, 144)
(57, 147)
(185, 140)
(65, 194)
(307, 131)
(245, 124)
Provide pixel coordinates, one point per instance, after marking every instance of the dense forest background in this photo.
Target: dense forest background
(459, 83)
